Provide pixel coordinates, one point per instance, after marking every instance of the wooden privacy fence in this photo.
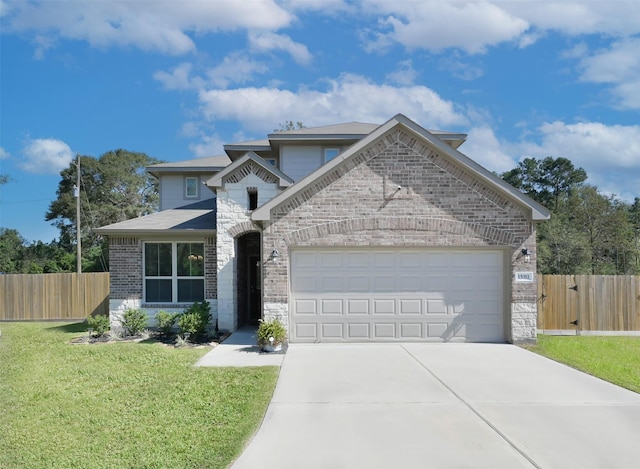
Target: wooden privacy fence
(37, 297)
(597, 302)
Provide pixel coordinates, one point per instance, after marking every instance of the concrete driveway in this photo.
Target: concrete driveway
(441, 406)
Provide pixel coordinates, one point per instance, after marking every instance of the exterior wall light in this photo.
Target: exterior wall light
(274, 255)
(527, 255)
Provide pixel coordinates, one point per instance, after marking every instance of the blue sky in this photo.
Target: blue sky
(177, 80)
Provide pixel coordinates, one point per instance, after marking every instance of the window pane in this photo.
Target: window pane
(157, 259)
(158, 290)
(191, 185)
(330, 153)
(190, 290)
(190, 259)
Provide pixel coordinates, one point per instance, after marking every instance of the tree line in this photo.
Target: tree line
(589, 232)
(113, 187)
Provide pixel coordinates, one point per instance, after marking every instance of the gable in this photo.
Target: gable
(417, 142)
(250, 164)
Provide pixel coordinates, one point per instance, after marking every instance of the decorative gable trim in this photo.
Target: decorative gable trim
(247, 169)
(250, 163)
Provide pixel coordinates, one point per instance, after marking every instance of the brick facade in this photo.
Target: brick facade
(398, 191)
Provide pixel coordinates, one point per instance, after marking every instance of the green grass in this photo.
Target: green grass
(123, 405)
(614, 359)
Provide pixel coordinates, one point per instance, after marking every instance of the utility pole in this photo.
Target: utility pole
(77, 194)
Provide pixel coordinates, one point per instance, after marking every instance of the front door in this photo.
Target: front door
(255, 298)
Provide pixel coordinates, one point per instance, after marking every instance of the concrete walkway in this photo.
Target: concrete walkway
(240, 349)
(441, 406)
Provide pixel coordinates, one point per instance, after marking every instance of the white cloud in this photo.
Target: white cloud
(473, 26)
(267, 41)
(619, 66)
(404, 75)
(208, 146)
(235, 68)
(470, 26)
(158, 26)
(484, 148)
(4, 154)
(347, 98)
(179, 78)
(46, 156)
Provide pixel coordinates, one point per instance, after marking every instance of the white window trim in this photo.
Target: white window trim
(174, 269)
(186, 187)
(325, 150)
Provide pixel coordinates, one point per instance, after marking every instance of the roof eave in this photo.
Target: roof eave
(169, 231)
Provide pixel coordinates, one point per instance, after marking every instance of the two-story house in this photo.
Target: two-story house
(349, 232)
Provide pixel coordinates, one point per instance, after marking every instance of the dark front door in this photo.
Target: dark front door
(255, 296)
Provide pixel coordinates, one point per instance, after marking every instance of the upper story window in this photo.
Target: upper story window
(191, 187)
(252, 192)
(173, 272)
(330, 153)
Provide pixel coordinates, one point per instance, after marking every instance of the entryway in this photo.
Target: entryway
(248, 278)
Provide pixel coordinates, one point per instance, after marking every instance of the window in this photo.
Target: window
(191, 187)
(330, 153)
(253, 198)
(173, 272)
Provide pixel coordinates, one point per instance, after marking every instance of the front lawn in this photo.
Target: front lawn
(614, 359)
(120, 405)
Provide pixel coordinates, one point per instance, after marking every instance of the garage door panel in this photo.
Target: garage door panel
(411, 330)
(359, 331)
(329, 259)
(305, 331)
(410, 307)
(384, 283)
(357, 283)
(384, 306)
(332, 330)
(305, 283)
(330, 307)
(305, 307)
(384, 331)
(397, 294)
(436, 307)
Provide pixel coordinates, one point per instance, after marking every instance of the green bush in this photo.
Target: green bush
(134, 321)
(195, 319)
(268, 329)
(99, 324)
(166, 321)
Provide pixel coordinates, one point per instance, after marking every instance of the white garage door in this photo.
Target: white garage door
(340, 295)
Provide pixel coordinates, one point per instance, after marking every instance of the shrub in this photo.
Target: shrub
(166, 321)
(99, 324)
(134, 320)
(195, 319)
(268, 329)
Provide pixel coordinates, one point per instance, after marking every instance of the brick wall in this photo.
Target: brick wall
(397, 191)
(125, 267)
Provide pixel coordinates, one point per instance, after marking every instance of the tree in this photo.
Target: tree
(113, 188)
(11, 251)
(546, 180)
(4, 179)
(604, 221)
(290, 125)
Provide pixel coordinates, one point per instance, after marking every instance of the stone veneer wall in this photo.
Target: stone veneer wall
(398, 191)
(234, 220)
